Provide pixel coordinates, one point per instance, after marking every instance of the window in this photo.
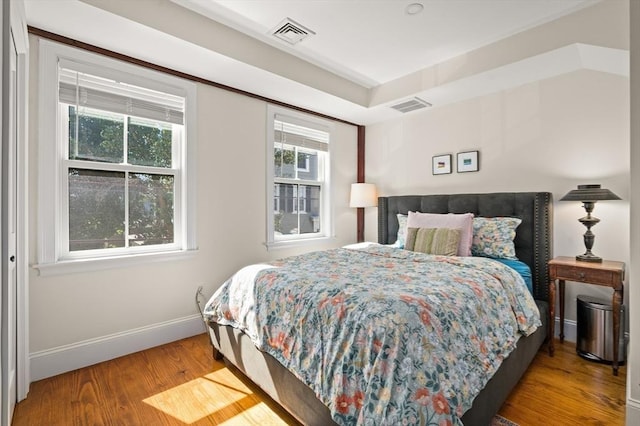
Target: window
(123, 160)
(298, 168)
(303, 161)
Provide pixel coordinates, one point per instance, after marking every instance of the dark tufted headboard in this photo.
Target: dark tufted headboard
(533, 236)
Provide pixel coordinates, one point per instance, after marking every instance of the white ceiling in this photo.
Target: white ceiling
(361, 53)
(374, 41)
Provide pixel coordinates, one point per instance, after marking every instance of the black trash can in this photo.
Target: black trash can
(595, 330)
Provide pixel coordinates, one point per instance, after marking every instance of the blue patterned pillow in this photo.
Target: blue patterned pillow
(493, 237)
(402, 231)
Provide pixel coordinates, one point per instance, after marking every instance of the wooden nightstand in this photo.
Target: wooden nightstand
(606, 273)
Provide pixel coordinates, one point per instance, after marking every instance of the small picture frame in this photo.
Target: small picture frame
(468, 162)
(441, 164)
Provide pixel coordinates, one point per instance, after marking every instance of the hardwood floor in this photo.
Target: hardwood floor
(567, 390)
(179, 383)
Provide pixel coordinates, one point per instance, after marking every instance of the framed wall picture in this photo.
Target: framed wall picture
(468, 162)
(441, 164)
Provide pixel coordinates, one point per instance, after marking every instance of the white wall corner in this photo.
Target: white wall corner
(66, 358)
(633, 412)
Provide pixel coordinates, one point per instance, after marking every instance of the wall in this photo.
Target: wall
(633, 368)
(550, 135)
(81, 318)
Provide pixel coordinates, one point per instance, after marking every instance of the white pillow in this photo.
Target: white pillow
(463, 222)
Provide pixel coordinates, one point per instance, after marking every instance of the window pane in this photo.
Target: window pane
(312, 207)
(298, 209)
(276, 198)
(308, 165)
(100, 135)
(285, 162)
(96, 209)
(303, 161)
(149, 143)
(150, 209)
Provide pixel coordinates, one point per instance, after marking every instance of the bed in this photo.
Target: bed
(532, 245)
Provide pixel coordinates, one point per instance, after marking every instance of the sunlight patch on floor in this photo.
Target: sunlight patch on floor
(259, 414)
(212, 395)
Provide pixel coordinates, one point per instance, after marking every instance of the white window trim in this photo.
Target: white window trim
(52, 155)
(327, 220)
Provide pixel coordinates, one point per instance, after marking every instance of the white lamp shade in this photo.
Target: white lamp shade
(363, 195)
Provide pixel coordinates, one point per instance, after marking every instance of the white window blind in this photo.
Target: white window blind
(289, 133)
(84, 90)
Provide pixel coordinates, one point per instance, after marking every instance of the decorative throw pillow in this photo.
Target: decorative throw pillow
(463, 222)
(402, 230)
(493, 237)
(442, 241)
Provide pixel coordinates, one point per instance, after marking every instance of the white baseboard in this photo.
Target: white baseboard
(570, 330)
(633, 412)
(65, 358)
(59, 360)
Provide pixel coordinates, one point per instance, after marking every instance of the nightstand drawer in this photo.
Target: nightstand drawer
(595, 276)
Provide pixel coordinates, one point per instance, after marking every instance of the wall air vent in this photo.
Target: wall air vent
(411, 105)
(291, 31)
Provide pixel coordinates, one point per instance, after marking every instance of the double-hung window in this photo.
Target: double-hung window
(119, 140)
(298, 178)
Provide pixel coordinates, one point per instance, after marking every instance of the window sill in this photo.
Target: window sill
(277, 245)
(117, 262)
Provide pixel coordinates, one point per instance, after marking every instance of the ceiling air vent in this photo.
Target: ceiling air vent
(291, 32)
(411, 105)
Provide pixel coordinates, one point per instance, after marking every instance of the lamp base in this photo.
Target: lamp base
(588, 257)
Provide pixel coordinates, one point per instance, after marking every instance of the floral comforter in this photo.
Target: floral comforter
(383, 336)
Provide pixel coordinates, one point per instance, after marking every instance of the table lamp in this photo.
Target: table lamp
(362, 195)
(588, 195)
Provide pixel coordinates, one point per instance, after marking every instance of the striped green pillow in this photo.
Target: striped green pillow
(441, 241)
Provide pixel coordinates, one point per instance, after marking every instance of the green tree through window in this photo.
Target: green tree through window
(109, 209)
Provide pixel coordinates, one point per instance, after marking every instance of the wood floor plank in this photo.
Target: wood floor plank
(180, 383)
(565, 390)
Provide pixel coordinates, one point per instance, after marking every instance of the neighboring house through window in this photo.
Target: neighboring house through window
(298, 177)
(122, 159)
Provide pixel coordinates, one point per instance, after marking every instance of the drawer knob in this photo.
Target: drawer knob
(581, 275)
